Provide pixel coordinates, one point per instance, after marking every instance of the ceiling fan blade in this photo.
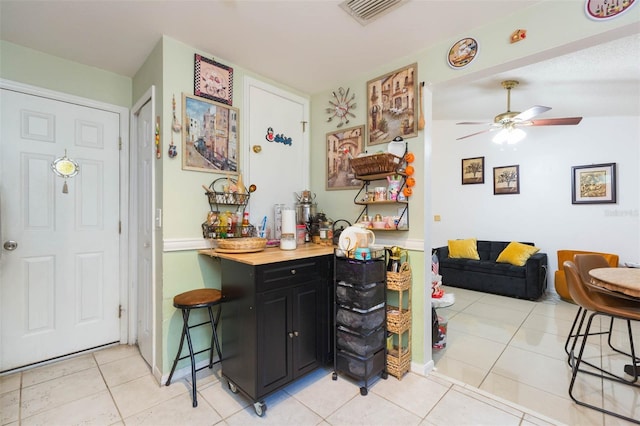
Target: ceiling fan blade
(474, 122)
(566, 121)
(530, 113)
(477, 133)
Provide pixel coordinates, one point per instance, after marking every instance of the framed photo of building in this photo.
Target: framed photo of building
(342, 146)
(392, 105)
(213, 80)
(593, 184)
(506, 180)
(472, 170)
(210, 140)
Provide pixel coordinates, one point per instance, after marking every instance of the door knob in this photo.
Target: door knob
(10, 245)
(257, 149)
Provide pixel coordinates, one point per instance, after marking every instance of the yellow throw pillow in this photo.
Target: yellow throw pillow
(517, 253)
(464, 249)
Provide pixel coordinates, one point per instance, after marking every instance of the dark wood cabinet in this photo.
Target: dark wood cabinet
(275, 323)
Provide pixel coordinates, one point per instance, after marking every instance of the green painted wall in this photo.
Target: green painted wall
(35, 68)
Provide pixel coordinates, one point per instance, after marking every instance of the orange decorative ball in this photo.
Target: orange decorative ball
(411, 182)
(409, 170)
(409, 157)
(407, 191)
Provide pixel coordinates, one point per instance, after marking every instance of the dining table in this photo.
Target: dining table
(622, 280)
(626, 282)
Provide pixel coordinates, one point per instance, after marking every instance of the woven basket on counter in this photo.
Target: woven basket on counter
(250, 243)
(375, 163)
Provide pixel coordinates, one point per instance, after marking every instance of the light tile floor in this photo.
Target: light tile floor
(514, 349)
(504, 364)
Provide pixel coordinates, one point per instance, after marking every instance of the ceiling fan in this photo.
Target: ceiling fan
(508, 123)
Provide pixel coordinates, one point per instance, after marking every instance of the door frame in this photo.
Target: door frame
(123, 114)
(148, 96)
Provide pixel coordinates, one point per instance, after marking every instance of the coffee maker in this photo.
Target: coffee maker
(306, 209)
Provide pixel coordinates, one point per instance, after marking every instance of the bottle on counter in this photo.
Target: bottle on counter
(246, 230)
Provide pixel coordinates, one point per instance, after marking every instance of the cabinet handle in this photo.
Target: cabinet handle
(295, 333)
(290, 335)
(293, 272)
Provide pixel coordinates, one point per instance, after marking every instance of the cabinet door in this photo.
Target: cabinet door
(306, 327)
(274, 344)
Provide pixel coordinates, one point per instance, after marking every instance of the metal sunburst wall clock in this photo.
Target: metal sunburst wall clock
(340, 107)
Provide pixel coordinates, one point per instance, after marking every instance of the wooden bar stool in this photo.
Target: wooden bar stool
(195, 299)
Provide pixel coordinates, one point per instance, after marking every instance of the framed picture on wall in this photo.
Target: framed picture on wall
(210, 141)
(593, 184)
(506, 180)
(213, 80)
(392, 105)
(472, 170)
(342, 146)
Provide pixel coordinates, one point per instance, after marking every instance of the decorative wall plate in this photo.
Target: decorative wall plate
(607, 9)
(462, 53)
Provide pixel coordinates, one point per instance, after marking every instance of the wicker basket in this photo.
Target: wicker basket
(401, 280)
(398, 320)
(398, 362)
(375, 163)
(242, 243)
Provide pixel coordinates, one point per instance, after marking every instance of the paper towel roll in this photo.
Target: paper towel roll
(288, 221)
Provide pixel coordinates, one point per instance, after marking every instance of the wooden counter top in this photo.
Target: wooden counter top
(273, 254)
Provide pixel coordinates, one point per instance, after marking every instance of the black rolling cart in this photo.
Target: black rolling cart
(360, 317)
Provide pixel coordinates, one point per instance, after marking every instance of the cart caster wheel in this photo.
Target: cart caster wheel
(363, 391)
(384, 375)
(233, 388)
(260, 408)
(334, 376)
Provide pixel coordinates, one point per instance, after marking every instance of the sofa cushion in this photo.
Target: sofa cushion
(480, 266)
(463, 249)
(517, 253)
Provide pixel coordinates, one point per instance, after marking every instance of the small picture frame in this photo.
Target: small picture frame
(213, 80)
(593, 184)
(506, 180)
(210, 139)
(392, 105)
(472, 170)
(342, 146)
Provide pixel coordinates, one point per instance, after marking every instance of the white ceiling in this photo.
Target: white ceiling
(312, 45)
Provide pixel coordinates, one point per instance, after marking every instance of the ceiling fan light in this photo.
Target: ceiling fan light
(515, 136)
(501, 137)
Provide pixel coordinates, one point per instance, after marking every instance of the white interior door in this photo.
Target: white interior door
(59, 280)
(145, 154)
(280, 168)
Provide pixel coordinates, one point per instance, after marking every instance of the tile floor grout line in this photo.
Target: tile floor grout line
(115, 404)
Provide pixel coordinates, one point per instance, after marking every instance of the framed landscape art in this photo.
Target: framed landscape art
(392, 105)
(593, 184)
(342, 146)
(506, 180)
(210, 141)
(472, 170)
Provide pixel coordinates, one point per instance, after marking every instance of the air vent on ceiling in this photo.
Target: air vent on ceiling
(365, 11)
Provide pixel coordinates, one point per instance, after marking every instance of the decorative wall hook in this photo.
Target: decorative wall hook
(65, 168)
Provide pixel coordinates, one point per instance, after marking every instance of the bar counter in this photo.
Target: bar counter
(272, 254)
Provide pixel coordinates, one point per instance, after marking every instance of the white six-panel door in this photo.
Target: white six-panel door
(59, 286)
(278, 169)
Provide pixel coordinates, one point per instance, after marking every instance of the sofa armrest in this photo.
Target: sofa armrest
(536, 272)
(442, 252)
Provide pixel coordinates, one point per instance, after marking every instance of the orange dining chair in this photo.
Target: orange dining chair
(600, 304)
